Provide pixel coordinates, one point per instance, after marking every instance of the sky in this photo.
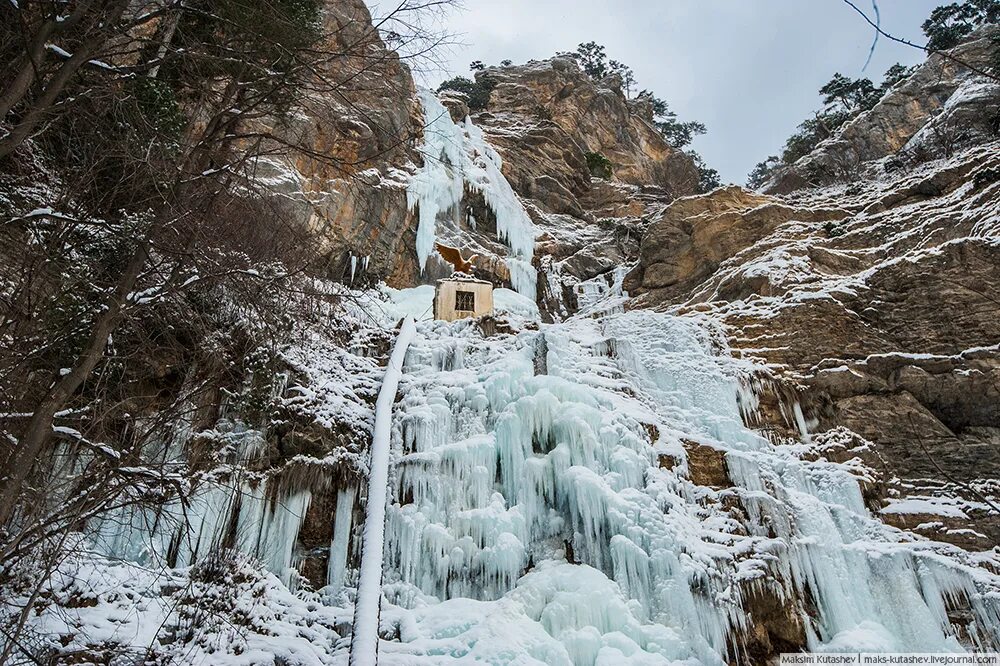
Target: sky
(748, 69)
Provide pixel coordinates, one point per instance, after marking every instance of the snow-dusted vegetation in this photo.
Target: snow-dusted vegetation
(691, 429)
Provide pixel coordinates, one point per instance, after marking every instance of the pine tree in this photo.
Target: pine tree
(948, 25)
(895, 75)
(593, 60)
(477, 92)
(763, 171)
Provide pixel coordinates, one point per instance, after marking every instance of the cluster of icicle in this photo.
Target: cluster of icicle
(237, 511)
(456, 157)
(531, 519)
(530, 498)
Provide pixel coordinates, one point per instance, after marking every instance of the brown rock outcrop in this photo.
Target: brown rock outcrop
(879, 303)
(356, 130)
(558, 111)
(706, 465)
(696, 234)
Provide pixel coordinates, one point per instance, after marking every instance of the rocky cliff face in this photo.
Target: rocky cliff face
(546, 115)
(714, 482)
(542, 117)
(357, 129)
(875, 300)
(943, 107)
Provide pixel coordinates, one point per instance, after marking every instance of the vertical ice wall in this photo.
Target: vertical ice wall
(545, 494)
(215, 516)
(456, 157)
(234, 510)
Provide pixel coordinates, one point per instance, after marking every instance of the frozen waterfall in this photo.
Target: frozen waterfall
(537, 508)
(456, 157)
(542, 510)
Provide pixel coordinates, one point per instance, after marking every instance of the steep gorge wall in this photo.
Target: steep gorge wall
(941, 107)
(618, 442)
(365, 138)
(357, 130)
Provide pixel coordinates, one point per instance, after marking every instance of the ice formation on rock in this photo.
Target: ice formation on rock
(543, 510)
(457, 157)
(544, 493)
(261, 525)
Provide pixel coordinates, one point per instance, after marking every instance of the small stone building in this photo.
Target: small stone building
(462, 297)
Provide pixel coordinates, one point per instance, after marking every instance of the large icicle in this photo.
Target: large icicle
(339, 544)
(364, 643)
(456, 157)
(438, 186)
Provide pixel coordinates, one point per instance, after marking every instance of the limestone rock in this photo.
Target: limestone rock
(563, 114)
(878, 303)
(355, 130)
(706, 465)
(696, 234)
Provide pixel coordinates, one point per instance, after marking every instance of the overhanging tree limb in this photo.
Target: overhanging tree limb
(926, 49)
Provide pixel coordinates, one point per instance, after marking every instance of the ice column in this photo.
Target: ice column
(337, 564)
(456, 157)
(364, 644)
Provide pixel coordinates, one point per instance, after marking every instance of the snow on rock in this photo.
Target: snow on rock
(224, 613)
(456, 157)
(505, 300)
(949, 507)
(416, 302)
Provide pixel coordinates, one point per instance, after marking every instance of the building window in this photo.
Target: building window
(465, 301)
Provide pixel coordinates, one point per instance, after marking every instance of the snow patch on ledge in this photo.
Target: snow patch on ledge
(932, 506)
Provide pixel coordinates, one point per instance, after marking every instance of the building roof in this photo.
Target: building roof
(461, 277)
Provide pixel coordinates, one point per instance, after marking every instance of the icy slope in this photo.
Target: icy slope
(577, 493)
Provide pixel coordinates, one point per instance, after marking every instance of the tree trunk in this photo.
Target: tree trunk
(39, 430)
(164, 35)
(55, 85)
(31, 64)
